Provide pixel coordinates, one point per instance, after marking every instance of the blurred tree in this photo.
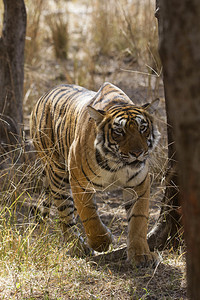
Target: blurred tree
(166, 230)
(179, 28)
(12, 43)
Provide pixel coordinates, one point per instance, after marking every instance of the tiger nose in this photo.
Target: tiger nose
(136, 153)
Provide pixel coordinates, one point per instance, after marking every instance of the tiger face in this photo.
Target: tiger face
(126, 134)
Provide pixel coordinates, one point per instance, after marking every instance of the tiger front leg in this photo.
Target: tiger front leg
(98, 235)
(137, 207)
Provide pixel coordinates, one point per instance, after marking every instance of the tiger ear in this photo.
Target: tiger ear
(95, 114)
(151, 107)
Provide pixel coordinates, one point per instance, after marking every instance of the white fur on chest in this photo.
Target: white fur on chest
(124, 177)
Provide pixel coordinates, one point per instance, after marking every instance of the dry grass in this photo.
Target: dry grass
(58, 25)
(126, 28)
(35, 263)
(82, 42)
(33, 32)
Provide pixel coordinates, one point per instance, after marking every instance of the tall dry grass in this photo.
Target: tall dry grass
(58, 24)
(125, 27)
(33, 31)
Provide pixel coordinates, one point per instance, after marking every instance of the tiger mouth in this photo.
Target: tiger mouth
(133, 163)
(136, 163)
(119, 159)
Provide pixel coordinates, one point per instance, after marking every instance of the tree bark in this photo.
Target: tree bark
(180, 55)
(12, 44)
(166, 230)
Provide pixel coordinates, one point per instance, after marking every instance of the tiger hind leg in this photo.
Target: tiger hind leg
(46, 202)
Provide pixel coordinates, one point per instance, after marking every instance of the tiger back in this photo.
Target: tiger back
(90, 141)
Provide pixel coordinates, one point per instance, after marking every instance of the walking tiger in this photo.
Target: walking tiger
(90, 141)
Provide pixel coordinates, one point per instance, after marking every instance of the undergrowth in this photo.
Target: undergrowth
(35, 264)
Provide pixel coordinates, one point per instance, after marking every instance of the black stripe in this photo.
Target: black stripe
(116, 102)
(46, 98)
(128, 205)
(75, 120)
(62, 197)
(41, 142)
(77, 91)
(58, 166)
(57, 177)
(109, 132)
(125, 111)
(138, 110)
(90, 166)
(70, 213)
(65, 92)
(65, 114)
(58, 184)
(75, 179)
(140, 196)
(64, 207)
(103, 135)
(134, 175)
(43, 98)
(88, 179)
(136, 216)
(119, 99)
(60, 139)
(142, 181)
(67, 135)
(89, 219)
(119, 113)
(132, 187)
(52, 136)
(102, 162)
(70, 128)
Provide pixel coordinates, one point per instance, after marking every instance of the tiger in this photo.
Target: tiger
(91, 141)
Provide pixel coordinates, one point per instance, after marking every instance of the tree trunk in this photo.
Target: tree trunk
(166, 230)
(12, 44)
(180, 55)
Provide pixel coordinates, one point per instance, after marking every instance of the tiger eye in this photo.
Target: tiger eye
(143, 128)
(119, 131)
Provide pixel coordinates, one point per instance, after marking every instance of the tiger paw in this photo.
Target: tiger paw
(77, 247)
(101, 242)
(140, 256)
(150, 259)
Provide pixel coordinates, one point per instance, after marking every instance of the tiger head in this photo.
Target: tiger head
(126, 134)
